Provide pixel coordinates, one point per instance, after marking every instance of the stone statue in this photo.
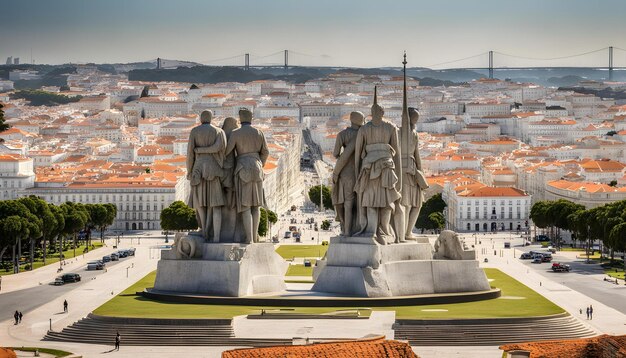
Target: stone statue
(413, 181)
(448, 247)
(378, 171)
(344, 177)
(230, 227)
(205, 160)
(250, 148)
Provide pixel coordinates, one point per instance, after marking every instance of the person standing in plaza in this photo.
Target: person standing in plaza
(590, 312)
(16, 315)
(587, 312)
(20, 317)
(65, 306)
(118, 339)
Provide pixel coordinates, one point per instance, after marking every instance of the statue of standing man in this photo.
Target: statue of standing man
(378, 169)
(251, 152)
(344, 175)
(205, 160)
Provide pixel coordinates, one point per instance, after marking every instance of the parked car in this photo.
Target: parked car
(71, 277)
(115, 257)
(559, 267)
(95, 265)
(106, 259)
(542, 238)
(507, 245)
(122, 254)
(551, 249)
(287, 234)
(537, 259)
(546, 257)
(526, 256)
(307, 263)
(59, 281)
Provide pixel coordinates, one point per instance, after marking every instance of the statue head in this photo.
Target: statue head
(413, 115)
(206, 117)
(230, 124)
(357, 118)
(245, 115)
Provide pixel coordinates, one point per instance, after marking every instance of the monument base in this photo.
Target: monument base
(223, 269)
(359, 267)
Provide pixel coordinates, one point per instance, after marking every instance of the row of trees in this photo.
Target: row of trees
(180, 217)
(33, 221)
(606, 223)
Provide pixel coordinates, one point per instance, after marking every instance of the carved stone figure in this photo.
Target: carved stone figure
(230, 222)
(378, 169)
(448, 247)
(250, 148)
(344, 176)
(205, 160)
(413, 181)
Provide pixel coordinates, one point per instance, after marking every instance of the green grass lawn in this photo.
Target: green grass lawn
(291, 251)
(54, 352)
(572, 249)
(612, 272)
(300, 270)
(52, 258)
(128, 304)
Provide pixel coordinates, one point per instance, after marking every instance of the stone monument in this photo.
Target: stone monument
(225, 257)
(377, 260)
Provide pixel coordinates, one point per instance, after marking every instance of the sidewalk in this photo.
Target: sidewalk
(606, 320)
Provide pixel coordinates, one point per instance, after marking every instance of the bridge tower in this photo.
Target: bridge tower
(610, 63)
(490, 64)
(247, 63)
(158, 63)
(286, 59)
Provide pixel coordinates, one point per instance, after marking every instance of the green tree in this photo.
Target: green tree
(178, 217)
(539, 216)
(434, 204)
(3, 125)
(45, 223)
(111, 213)
(97, 219)
(58, 229)
(438, 220)
(16, 230)
(618, 237)
(266, 219)
(314, 195)
(76, 218)
(325, 225)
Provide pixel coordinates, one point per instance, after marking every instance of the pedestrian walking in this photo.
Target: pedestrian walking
(587, 312)
(65, 306)
(20, 316)
(590, 312)
(16, 315)
(118, 339)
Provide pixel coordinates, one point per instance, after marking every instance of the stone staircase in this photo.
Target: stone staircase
(489, 332)
(157, 332)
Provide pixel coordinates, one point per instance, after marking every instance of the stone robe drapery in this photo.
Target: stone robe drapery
(251, 152)
(376, 146)
(205, 169)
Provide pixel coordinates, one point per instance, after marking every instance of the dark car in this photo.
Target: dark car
(122, 254)
(546, 257)
(526, 256)
(106, 259)
(115, 257)
(537, 259)
(71, 277)
(542, 238)
(131, 251)
(559, 267)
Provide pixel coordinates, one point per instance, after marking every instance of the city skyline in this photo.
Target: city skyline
(360, 34)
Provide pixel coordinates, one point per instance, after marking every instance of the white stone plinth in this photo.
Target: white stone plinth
(223, 269)
(360, 267)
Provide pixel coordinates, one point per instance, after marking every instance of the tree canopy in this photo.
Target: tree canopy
(178, 217)
(314, 195)
(3, 125)
(425, 220)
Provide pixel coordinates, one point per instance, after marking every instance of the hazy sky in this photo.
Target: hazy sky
(318, 32)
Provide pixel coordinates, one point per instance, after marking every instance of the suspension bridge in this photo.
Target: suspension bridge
(608, 58)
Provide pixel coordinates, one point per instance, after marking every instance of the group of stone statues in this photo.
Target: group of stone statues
(378, 182)
(225, 170)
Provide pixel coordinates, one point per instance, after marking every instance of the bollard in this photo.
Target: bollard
(50, 324)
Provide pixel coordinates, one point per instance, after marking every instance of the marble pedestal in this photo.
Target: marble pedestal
(357, 266)
(223, 269)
